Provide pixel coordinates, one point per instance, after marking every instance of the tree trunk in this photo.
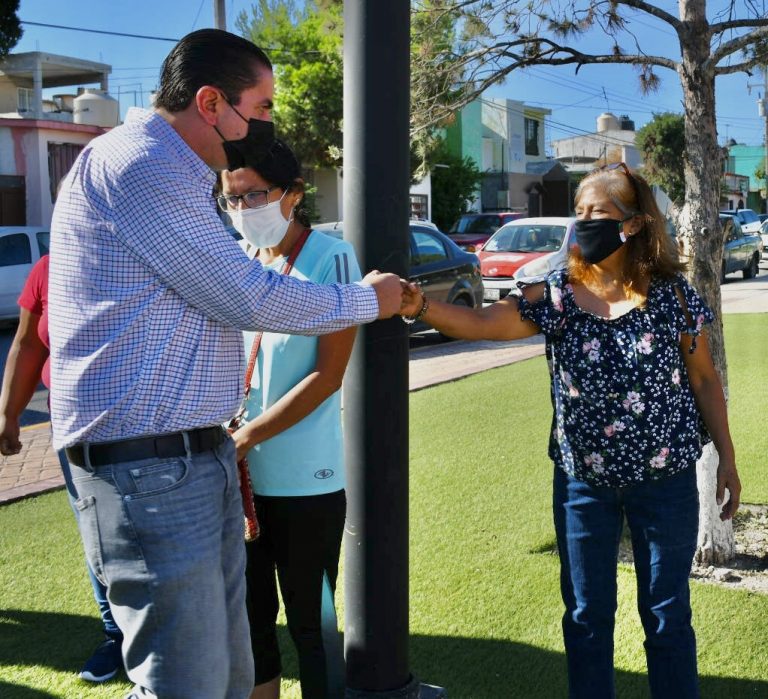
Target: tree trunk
(703, 243)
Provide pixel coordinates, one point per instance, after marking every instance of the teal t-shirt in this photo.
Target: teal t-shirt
(307, 458)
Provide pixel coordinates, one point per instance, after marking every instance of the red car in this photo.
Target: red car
(472, 230)
(518, 243)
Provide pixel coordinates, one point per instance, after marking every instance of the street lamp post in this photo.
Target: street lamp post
(376, 213)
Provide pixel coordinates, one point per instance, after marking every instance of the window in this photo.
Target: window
(531, 136)
(419, 206)
(25, 99)
(428, 248)
(61, 157)
(15, 250)
(44, 242)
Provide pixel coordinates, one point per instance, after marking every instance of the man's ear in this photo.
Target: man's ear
(209, 102)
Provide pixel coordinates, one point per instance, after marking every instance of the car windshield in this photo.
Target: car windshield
(476, 224)
(526, 238)
(748, 216)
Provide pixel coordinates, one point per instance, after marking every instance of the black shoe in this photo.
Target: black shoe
(105, 663)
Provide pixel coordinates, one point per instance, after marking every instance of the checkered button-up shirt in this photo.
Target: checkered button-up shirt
(149, 293)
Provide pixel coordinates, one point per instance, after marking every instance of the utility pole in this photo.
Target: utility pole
(762, 110)
(220, 14)
(764, 113)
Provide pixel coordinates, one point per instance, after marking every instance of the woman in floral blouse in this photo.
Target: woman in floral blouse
(635, 396)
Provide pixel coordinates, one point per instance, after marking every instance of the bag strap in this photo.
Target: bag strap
(287, 267)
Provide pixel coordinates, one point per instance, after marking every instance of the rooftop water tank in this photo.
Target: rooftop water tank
(66, 103)
(626, 123)
(95, 108)
(607, 122)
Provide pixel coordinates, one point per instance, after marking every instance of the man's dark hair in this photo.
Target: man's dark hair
(209, 57)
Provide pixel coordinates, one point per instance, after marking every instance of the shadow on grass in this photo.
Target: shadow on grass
(469, 668)
(14, 691)
(472, 668)
(47, 639)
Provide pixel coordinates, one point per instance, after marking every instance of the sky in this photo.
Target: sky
(575, 100)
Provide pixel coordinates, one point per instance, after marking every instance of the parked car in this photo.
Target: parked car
(741, 251)
(471, 231)
(749, 220)
(538, 244)
(20, 248)
(764, 237)
(445, 271)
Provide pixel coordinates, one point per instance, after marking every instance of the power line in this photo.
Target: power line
(99, 31)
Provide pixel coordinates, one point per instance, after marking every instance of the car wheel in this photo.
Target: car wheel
(751, 269)
(458, 301)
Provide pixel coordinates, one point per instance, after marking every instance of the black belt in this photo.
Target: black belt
(163, 446)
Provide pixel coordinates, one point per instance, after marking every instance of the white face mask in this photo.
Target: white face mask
(264, 227)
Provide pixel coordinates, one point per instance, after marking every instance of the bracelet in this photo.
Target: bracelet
(410, 320)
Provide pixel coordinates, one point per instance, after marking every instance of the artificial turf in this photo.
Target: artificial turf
(484, 600)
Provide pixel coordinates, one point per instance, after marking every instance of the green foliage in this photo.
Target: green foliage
(304, 44)
(10, 27)
(452, 186)
(662, 142)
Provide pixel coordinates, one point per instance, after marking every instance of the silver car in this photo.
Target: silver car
(20, 248)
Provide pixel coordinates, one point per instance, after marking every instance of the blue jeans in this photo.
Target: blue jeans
(166, 538)
(99, 591)
(663, 521)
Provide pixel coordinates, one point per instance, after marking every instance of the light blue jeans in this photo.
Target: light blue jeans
(166, 538)
(99, 591)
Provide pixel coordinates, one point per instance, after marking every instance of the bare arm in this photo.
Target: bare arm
(708, 393)
(499, 321)
(333, 353)
(22, 373)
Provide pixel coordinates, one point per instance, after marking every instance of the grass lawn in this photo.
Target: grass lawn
(485, 606)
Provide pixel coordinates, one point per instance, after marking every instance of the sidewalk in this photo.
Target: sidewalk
(36, 469)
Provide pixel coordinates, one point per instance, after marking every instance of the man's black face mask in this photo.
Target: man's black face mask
(250, 149)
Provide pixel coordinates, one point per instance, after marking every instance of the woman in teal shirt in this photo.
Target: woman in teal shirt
(292, 438)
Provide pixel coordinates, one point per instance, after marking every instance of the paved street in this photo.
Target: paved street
(36, 468)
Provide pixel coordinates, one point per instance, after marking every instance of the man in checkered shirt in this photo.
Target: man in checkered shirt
(148, 297)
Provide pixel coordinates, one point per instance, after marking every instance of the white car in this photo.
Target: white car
(542, 266)
(20, 248)
(764, 237)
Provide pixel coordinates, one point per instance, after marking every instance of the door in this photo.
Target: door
(431, 265)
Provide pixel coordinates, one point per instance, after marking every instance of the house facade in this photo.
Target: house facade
(40, 138)
(613, 141)
(743, 189)
(506, 139)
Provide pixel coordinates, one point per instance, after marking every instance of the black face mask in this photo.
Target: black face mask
(599, 238)
(250, 149)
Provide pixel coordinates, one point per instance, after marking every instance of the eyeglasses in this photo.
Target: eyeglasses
(251, 200)
(623, 167)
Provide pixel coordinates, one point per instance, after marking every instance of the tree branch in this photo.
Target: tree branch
(737, 44)
(550, 56)
(651, 10)
(743, 67)
(721, 27)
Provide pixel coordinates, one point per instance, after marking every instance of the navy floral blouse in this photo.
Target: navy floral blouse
(624, 410)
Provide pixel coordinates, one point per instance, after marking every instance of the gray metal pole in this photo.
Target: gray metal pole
(376, 212)
(219, 14)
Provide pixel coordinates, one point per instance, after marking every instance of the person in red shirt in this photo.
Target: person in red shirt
(28, 362)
